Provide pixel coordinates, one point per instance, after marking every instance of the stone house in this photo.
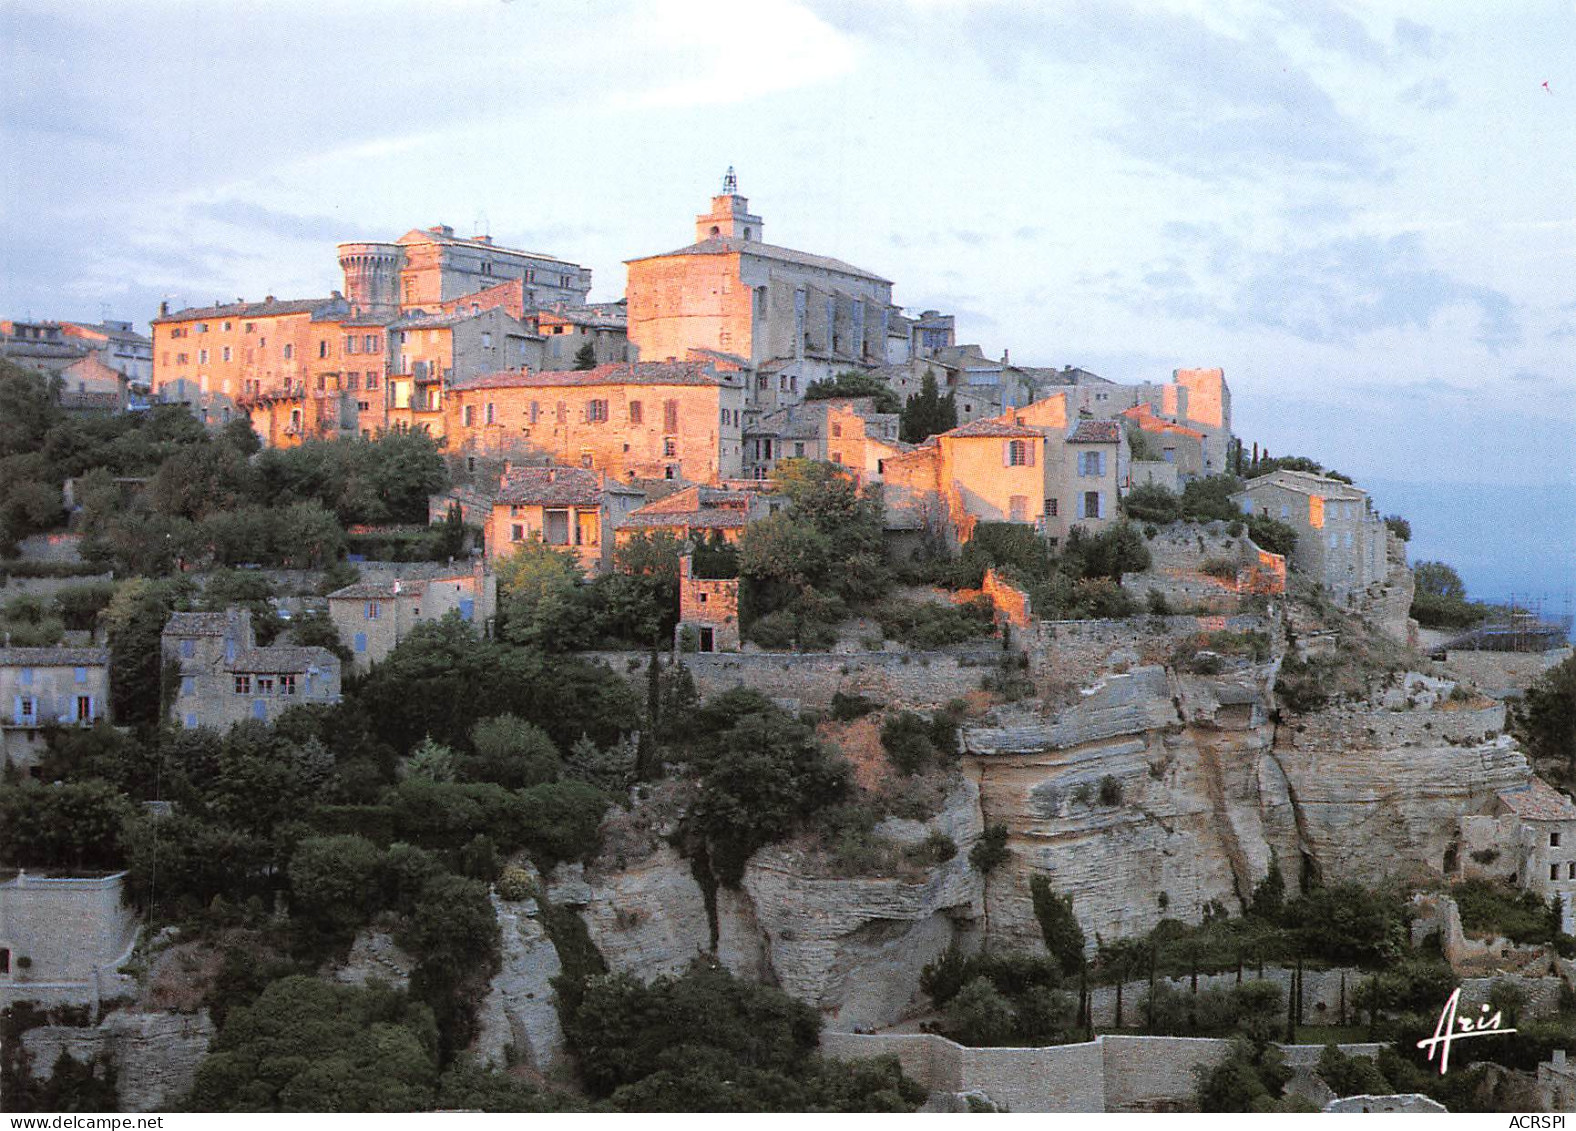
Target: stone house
(91, 386)
(708, 611)
(985, 471)
(645, 420)
(1198, 399)
(374, 616)
(569, 508)
(1175, 444)
(795, 317)
(1096, 466)
(1543, 837)
(226, 678)
(62, 939)
(698, 513)
(430, 353)
(566, 330)
(1342, 542)
(846, 431)
(45, 687)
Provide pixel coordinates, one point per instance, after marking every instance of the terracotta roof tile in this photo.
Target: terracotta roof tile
(1539, 801)
(550, 486)
(317, 307)
(283, 658)
(1095, 432)
(619, 373)
(992, 428)
(53, 657)
(197, 624)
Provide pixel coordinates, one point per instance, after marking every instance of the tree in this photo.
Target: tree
(1546, 722)
(851, 383)
(1064, 938)
(927, 412)
(454, 935)
(1272, 534)
(585, 357)
(512, 753)
(1150, 502)
(1209, 498)
(1398, 526)
(201, 480)
(74, 825)
(135, 620)
(1436, 579)
(538, 598)
(333, 882)
(306, 1045)
(27, 409)
(990, 851)
(239, 435)
(980, 1015)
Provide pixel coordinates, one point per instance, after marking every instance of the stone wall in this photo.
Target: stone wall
(896, 679)
(156, 1055)
(1446, 723)
(1109, 1074)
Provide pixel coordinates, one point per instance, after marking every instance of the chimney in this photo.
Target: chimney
(268, 298)
(1006, 357)
(164, 308)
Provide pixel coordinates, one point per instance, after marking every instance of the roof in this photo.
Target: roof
(1305, 483)
(282, 658)
(1539, 801)
(700, 506)
(1145, 418)
(427, 235)
(53, 657)
(733, 245)
(197, 624)
(333, 304)
(385, 590)
(1095, 432)
(618, 373)
(550, 486)
(992, 428)
(583, 316)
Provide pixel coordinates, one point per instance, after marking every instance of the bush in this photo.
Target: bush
(905, 737)
(1519, 916)
(1272, 534)
(1223, 568)
(1152, 503)
(846, 708)
(929, 625)
(980, 1015)
(514, 885)
(990, 851)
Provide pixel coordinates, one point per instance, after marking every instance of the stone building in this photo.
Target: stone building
(1176, 444)
(843, 430)
(427, 267)
(63, 938)
(1544, 841)
(46, 687)
(985, 471)
(1198, 399)
(1096, 468)
(226, 678)
(793, 316)
(708, 611)
(643, 420)
(1341, 539)
(38, 345)
(428, 353)
(568, 508)
(118, 346)
(374, 616)
(699, 512)
(90, 386)
(566, 330)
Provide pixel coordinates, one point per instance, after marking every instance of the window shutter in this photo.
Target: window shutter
(1099, 500)
(1029, 447)
(1100, 465)
(1080, 505)
(16, 713)
(1006, 454)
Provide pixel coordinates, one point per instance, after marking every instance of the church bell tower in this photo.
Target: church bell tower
(730, 216)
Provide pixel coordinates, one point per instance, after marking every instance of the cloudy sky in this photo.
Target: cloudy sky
(1365, 212)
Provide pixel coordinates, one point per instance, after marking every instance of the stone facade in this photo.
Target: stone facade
(63, 938)
(639, 421)
(565, 507)
(708, 611)
(225, 678)
(1342, 543)
(45, 687)
(156, 1055)
(374, 616)
(566, 330)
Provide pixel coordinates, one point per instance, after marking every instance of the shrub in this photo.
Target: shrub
(1272, 534)
(1110, 791)
(936, 848)
(906, 738)
(929, 625)
(1152, 503)
(990, 851)
(514, 885)
(1223, 568)
(846, 708)
(980, 1015)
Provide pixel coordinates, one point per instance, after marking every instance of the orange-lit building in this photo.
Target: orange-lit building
(566, 330)
(984, 471)
(568, 508)
(1175, 444)
(643, 420)
(698, 513)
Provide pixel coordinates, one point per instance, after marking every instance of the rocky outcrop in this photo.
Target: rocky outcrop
(517, 1022)
(156, 1055)
(375, 955)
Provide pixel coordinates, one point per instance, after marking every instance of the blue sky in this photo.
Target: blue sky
(1365, 213)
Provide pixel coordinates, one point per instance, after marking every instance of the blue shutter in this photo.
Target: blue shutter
(1100, 465)
(1080, 498)
(191, 721)
(468, 608)
(259, 708)
(361, 642)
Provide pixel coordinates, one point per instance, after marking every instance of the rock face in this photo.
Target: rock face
(517, 1021)
(156, 1055)
(374, 955)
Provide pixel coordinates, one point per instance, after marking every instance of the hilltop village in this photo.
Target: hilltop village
(739, 696)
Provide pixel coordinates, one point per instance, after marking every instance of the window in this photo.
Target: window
(191, 720)
(352, 382)
(468, 415)
(372, 381)
(517, 533)
(555, 528)
(761, 381)
(265, 685)
(202, 327)
(798, 449)
(1052, 508)
(492, 413)
(1554, 840)
(182, 359)
(670, 447)
(635, 408)
(225, 353)
(1019, 454)
(596, 411)
(287, 683)
(188, 648)
(1091, 463)
(227, 326)
(202, 357)
(670, 416)
(351, 342)
(371, 343)
(487, 340)
(837, 430)
(188, 685)
(250, 327)
(243, 684)
(322, 348)
(535, 411)
(1554, 871)
(373, 610)
(289, 351)
(361, 642)
(1091, 505)
(670, 472)
(27, 677)
(26, 709)
(80, 675)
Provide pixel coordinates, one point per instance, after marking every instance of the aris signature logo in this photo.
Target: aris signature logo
(1453, 1028)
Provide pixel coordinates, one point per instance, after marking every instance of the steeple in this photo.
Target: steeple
(730, 216)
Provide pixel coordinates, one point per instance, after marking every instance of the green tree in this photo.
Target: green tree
(305, 1045)
(1064, 938)
(135, 621)
(512, 753)
(1546, 721)
(980, 1015)
(333, 882)
(27, 409)
(1436, 579)
(585, 357)
(1150, 502)
(454, 935)
(201, 480)
(928, 412)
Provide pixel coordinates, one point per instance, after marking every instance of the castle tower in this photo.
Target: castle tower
(372, 276)
(730, 216)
